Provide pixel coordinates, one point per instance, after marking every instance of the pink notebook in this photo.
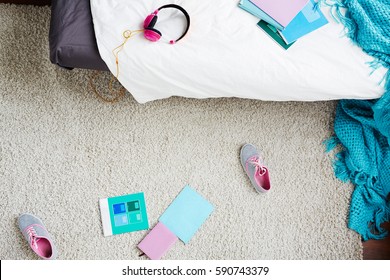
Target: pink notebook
(282, 11)
(157, 242)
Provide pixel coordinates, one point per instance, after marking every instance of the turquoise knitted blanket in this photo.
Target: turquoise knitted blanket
(362, 127)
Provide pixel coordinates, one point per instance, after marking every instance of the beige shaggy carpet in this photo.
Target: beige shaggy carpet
(61, 149)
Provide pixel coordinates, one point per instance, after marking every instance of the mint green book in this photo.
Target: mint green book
(274, 34)
(121, 214)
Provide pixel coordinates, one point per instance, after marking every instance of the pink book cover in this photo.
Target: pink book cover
(158, 241)
(282, 11)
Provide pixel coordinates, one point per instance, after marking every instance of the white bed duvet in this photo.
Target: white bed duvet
(225, 54)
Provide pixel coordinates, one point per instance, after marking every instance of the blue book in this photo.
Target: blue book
(186, 214)
(251, 8)
(307, 20)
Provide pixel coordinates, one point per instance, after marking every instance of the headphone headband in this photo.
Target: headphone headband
(174, 6)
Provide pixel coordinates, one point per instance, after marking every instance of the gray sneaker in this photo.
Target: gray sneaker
(254, 167)
(37, 236)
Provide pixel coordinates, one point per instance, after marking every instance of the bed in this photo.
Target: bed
(224, 55)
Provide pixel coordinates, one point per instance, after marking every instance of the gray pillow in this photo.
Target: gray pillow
(72, 37)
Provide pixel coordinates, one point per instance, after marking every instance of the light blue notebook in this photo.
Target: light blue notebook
(251, 8)
(186, 214)
(307, 20)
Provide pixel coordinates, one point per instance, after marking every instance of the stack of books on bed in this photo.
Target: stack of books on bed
(285, 21)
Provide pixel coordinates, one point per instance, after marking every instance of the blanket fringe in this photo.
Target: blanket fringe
(340, 167)
(374, 229)
(336, 7)
(368, 223)
(339, 163)
(331, 143)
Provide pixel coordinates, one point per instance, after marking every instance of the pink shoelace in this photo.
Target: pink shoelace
(258, 164)
(33, 237)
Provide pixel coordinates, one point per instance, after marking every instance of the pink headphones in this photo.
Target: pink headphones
(153, 34)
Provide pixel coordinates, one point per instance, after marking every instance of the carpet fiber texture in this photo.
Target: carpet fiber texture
(61, 149)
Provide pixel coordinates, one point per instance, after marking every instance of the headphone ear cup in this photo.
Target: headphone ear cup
(152, 34)
(150, 21)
